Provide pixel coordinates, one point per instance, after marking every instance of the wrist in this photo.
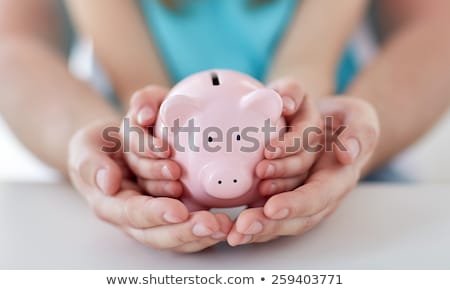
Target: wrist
(319, 84)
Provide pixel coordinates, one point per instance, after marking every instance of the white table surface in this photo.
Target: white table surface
(378, 226)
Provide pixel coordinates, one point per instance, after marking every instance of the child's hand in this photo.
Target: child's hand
(156, 174)
(288, 160)
(286, 167)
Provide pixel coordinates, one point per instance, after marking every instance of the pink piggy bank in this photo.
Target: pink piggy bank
(217, 124)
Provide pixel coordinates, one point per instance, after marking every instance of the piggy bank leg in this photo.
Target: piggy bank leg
(192, 205)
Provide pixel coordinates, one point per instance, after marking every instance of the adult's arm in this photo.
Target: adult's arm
(408, 81)
(40, 100)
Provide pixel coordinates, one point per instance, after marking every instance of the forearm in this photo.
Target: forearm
(315, 41)
(125, 48)
(408, 85)
(42, 102)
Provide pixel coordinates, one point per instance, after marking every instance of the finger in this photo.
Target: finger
(89, 167)
(137, 140)
(303, 201)
(287, 167)
(321, 189)
(165, 188)
(291, 93)
(248, 223)
(200, 225)
(274, 186)
(225, 226)
(361, 128)
(253, 226)
(131, 209)
(153, 168)
(145, 104)
(291, 227)
(196, 246)
(304, 133)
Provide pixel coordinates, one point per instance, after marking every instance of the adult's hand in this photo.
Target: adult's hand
(104, 180)
(331, 178)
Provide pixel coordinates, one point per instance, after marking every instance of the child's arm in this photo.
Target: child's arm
(314, 43)
(121, 42)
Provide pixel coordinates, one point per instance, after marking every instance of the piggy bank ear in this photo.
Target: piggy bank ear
(264, 101)
(179, 107)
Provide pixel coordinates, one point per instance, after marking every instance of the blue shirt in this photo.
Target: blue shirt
(232, 34)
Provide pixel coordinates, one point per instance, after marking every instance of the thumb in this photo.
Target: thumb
(358, 124)
(90, 167)
(144, 105)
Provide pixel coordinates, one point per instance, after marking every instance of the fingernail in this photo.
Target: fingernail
(289, 104)
(101, 179)
(246, 239)
(281, 214)
(353, 147)
(145, 115)
(218, 236)
(255, 228)
(171, 218)
(270, 170)
(201, 231)
(165, 171)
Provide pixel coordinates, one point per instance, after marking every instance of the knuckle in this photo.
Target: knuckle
(357, 104)
(145, 238)
(147, 95)
(129, 211)
(299, 228)
(309, 223)
(136, 98)
(145, 166)
(100, 213)
(293, 84)
(182, 237)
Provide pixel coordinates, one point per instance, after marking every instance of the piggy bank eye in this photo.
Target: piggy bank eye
(238, 137)
(210, 139)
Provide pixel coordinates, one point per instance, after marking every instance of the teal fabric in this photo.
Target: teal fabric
(346, 71)
(232, 34)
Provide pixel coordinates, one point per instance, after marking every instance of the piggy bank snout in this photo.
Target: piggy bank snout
(226, 182)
